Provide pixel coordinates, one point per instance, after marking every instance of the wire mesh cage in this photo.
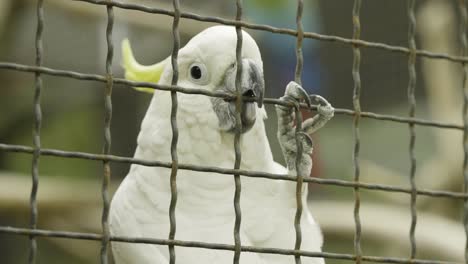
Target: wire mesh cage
(107, 81)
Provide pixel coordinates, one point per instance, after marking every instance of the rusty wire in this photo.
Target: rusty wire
(412, 111)
(238, 137)
(174, 165)
(357, 143)
(213, 246)
(299, 147)
(174, 129)
(226, 171)
(107, 136)
(36, 132)
(285, 31)
(188, 90)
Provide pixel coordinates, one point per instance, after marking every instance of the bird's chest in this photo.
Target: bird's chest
(204, 199)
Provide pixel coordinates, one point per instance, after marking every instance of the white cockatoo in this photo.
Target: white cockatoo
(206, 125)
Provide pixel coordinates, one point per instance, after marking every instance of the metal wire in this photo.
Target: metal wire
(174, 128)
(299, 147)
(464, 52)
(36, 132)
(213, 246)
(412, 111)
(188, 90)
(357, 143)
(225, 171)
(285, 31)
(107, 135)
(238, 137)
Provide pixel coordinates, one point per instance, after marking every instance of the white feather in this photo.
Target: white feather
(205, 209)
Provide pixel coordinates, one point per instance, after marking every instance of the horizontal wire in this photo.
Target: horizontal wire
(225, 171)
(216, 246)
(285, 31)
(102, 78)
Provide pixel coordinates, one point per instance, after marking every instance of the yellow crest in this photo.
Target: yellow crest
(140, 73)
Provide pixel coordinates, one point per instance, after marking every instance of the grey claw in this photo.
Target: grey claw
(324, 108)
(326, 111)
(296, 91)
(319, 99)
(287, 137)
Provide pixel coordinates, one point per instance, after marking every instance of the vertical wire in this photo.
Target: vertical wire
(107, 135)
(356, 119)
(175, 130)
(36, 132)
(464, 52)
(299, 40)
(298, 114)
(412, 110)
(237, 136)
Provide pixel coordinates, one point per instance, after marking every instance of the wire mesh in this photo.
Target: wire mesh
(356, 43)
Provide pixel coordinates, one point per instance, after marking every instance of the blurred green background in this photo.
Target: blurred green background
(73, 114)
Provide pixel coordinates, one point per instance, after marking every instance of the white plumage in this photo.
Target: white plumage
(204, 209)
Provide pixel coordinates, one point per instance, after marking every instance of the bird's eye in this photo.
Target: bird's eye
(198, 73)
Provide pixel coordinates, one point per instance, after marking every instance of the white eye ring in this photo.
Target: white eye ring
(198, 73)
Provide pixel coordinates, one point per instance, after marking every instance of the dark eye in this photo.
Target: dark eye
(196, 72)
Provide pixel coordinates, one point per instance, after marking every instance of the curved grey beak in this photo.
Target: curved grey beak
(252, 85)
(252, 82)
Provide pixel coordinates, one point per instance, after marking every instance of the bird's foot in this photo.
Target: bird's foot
(289, 138)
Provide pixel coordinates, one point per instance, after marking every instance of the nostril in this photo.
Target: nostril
(249, 93)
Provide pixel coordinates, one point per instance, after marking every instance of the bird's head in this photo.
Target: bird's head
(208, 61)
